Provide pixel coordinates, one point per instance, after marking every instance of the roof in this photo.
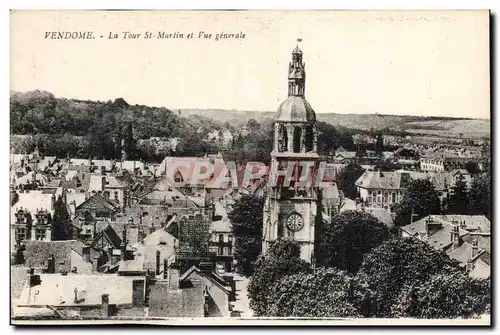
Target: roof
(38, 252)
(382, 215)
(134, 265)
(57, 290)
(297, 50)
(101, 204)
(441, 238)
(187, 302)
(159, 237)
(480, 270)
(111, 235)
(295, 109)
(399, 179)
(463, 253)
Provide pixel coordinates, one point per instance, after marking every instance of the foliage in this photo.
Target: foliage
(348, 237)
(480, 195)
(282, 259)
(61, 229)
(445, 296)
(347, 177)
(472, 168)
(327, 292)
(387, 165)
(398, 262)
(246, 219)
(379, 145)
(459, 198)
(253, 125)
(419, 198)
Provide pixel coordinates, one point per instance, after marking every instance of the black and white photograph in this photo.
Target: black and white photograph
(250, 167)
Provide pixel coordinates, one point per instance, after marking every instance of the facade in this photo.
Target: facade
(442, 163)
(289, 210)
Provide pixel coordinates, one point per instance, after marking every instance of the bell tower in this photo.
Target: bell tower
(292, 199)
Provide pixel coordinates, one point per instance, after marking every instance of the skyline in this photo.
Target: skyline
(419, 63)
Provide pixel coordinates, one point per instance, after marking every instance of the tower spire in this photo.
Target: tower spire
(296, 73)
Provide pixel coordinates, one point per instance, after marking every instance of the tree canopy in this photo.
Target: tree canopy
(282, 259)
(419, 198)
(348, 237)
(480, 195)
(347, 177)
(458, 200)
(246, 220)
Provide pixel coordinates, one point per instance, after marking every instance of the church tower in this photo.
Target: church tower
(292, 203)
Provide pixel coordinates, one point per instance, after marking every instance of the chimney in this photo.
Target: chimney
(95, 263)
(206, 267)
(455, 237)
(165, 268)
(157, 270)
(72, 208)
(29, 276)
(105, 305)
(53, 202)
(475, 249)
(51, 264)
(123, 246)
(86, 253)
(469, 266)
(173, 282)
(103, 182)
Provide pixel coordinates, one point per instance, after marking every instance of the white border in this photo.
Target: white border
(494, 5)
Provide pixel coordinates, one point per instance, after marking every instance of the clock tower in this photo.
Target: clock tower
(293, 201)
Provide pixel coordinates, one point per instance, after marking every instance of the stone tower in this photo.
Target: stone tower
(292, 199)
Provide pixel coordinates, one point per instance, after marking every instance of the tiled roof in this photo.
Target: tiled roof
(398, 179)
(186, 302)
(38, 252)
(111, 234)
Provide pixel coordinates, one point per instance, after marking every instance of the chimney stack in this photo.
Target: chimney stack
(51, 264)
(157, 270)
(475, 248)
(123, 246)
(105, 305)
(95, 263)
(86, 253)
(455, 237)
(173, 275)
(165, 268)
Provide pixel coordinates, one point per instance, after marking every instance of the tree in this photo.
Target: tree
(282, 259)
(61, 229)
(253, 125)
(445, 296)
(419, 198)
(323, 293)
(472, 168)
(347, 177)
(459, 198)
(246, 220)
(480, 195)
(348, 237)
(379, 145)
(397, 263)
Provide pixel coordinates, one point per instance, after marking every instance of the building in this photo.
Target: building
(442, 163)
(465, 238)
(221, 241)
(291, 211)
(384, 189)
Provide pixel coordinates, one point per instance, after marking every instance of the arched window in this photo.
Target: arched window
(297, 133)
(309, 138)
(282, 139)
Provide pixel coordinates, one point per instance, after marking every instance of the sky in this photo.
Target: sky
(427, 63)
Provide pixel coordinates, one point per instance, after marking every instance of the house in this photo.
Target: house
(221, 241)
(56, 257)
(436, 162)
(155, 248)
(84, 296)
(383, 189)
(465, 238)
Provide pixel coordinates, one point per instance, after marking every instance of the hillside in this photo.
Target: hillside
(439, 126)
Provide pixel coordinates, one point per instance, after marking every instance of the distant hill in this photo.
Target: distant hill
(440, 126)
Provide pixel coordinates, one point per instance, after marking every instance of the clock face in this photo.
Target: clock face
(295, 222)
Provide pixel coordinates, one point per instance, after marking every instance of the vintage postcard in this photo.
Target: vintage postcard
(250, 167)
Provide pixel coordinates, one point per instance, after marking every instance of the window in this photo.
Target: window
(297, 135)
(116, 195)
(230, 239)
(221, 238)
(393, 197)
(226, 251)
(39, 234)
(386, 197)
(20, 234)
